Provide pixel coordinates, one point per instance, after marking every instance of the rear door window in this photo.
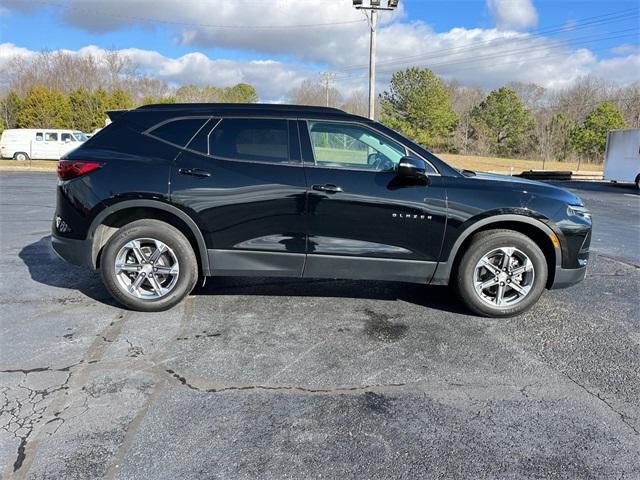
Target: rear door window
(178, 131)
(39, 136)
(258, 140)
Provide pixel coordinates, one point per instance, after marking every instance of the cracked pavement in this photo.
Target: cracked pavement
(279, 378)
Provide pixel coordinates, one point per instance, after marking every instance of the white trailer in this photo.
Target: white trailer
(622, 157)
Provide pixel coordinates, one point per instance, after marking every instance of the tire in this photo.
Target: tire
(154, 291)
(21, 156)
(472, 276)
(638, 182)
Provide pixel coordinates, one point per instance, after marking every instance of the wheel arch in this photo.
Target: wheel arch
(109, 220)
(533, 228)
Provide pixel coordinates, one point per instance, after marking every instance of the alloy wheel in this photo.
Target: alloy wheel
(504, 277)
(147, 268)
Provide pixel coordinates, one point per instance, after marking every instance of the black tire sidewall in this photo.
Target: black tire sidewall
(482, 245)
(166, 234)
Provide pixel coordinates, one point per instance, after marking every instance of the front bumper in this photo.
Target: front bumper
(76, 252)
(565, 277)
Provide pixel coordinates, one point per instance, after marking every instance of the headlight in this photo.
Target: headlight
(578, 211)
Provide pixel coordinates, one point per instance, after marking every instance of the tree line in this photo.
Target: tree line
(61, 90)
(517, 120)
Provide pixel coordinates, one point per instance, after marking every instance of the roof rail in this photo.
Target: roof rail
(238, 106)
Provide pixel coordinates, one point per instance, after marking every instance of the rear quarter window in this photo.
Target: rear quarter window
(178, 131)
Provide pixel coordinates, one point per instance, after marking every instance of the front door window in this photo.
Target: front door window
(351, 146)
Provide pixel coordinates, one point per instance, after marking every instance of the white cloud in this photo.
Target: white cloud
(274, 79)
(513, 14)
(483, 57)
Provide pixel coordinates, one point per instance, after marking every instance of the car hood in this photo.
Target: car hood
(531, 186)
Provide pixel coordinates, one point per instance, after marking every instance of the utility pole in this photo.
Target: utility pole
(372, 64)
(327, 78)
(372, 18)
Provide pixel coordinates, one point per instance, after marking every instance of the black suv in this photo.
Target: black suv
(168, 193)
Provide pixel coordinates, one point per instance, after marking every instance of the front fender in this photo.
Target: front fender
(452, 246)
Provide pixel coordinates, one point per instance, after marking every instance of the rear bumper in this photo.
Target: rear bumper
(565, 277)
(76, 252)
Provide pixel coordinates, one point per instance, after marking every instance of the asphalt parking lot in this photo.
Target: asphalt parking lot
(297, 379)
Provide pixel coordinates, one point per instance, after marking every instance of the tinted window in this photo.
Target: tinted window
(251, 139)
(178, 131)
(200, 143)
(51, 137)
(67, 136)
(39, 136)
(346, 145)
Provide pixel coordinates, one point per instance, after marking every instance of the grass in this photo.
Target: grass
(504, 165)
(470, 162)
(29, 165)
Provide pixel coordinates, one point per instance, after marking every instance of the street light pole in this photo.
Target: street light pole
(372, 18)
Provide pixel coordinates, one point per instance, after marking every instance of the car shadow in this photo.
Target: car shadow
(433, 297)
(46, 268)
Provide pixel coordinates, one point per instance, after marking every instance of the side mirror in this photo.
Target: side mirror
(412, 167)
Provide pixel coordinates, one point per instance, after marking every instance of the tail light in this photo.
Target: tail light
(68, 169)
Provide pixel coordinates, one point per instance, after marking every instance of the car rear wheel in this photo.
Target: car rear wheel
(501, 274)
(21, 156)
(148, 265)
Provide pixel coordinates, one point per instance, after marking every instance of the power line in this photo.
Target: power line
(551, 46)
(496, 64)
(614, 17)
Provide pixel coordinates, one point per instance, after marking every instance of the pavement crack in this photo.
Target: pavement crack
(23, 413)
(597, 396)
(615, 259)
(134, 350)
(291, 388)
(27, 371)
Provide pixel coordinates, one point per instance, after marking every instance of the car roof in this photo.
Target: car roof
(252, 109)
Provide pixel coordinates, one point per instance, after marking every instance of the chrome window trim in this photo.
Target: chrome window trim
(302, 162)
(306, 120)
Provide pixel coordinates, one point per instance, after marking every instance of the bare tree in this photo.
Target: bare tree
(357, 103)
(312, 92)
(628, 100)
(463, 100)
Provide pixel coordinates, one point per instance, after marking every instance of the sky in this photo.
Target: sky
(276, 44)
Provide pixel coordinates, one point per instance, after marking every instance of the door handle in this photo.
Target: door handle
(327, 187)
(194, 172)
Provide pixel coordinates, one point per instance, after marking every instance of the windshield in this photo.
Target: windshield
(81, 137)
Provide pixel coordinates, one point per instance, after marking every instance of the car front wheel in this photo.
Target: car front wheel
(148, 265)
(501, 274)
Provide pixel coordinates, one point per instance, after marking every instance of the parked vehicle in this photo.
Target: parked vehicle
(168, 193)
(622, 156)
(38, 143)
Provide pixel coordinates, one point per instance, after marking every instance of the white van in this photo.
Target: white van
(38, 143)
(622, 157)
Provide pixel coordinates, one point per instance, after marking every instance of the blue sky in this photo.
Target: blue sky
(175, 40)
